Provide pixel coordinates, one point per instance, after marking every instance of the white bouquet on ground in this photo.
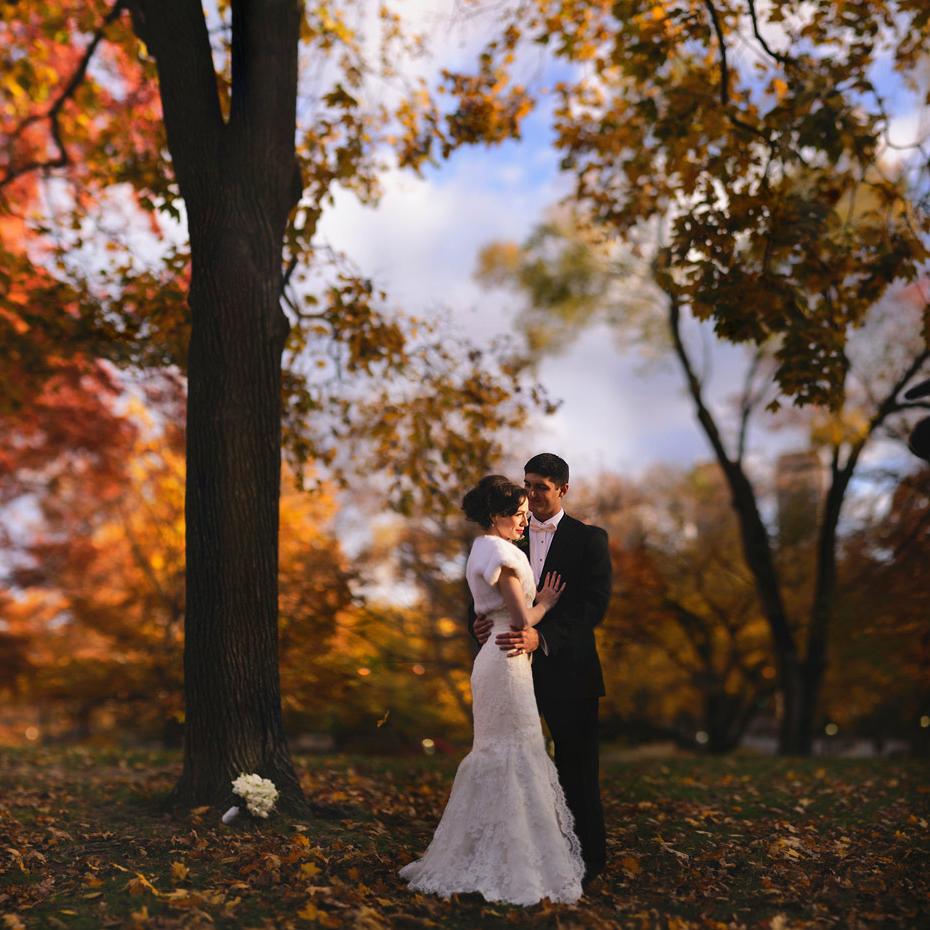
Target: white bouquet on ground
(258, 793)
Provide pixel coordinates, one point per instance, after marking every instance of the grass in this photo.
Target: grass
(736, 842)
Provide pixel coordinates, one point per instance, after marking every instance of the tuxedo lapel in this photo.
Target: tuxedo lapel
(561, 543)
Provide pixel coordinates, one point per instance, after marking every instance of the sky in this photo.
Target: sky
(619, 413)
(421, 243)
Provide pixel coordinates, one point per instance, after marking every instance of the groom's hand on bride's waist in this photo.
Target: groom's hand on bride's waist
(482, 628)
(516, 641)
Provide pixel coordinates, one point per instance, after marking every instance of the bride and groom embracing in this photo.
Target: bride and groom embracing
(516, 827)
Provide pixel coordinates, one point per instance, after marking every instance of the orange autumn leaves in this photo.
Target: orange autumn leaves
(94, 617)
(698, 844)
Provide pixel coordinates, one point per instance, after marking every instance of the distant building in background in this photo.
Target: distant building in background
(800, 481)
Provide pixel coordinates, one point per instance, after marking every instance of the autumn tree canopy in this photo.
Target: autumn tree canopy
(752, 141)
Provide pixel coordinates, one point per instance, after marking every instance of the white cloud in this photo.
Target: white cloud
(421, 243)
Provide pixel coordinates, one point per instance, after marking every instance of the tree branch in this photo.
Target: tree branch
(176, 33)
(748, 402)
(841, 475)
(725, 78)
(263, 107)
(695, 387)
(777, 56)
(757, 548)
(54, 111)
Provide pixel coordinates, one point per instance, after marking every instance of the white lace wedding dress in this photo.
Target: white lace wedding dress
(506, 832)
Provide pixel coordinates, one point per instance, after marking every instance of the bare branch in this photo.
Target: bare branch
(748, 402)
(777, 56)
(62, 159)
(725, 78)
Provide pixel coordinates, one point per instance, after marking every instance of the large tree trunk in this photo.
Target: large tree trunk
(808, 681)
(233, 708)
(239, 179)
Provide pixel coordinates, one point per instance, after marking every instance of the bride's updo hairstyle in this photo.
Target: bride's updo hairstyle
(493, 496)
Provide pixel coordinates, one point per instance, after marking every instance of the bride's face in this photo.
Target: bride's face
(514, 526)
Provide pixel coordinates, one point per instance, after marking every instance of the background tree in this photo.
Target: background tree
(753, 137)
(98, 571)
(764, 178)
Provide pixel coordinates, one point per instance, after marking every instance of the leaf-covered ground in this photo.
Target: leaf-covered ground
(694, 843)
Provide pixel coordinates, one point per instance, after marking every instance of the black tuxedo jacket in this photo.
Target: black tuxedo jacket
(572, 669)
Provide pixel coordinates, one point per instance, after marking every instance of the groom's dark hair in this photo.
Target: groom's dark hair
(548, 465)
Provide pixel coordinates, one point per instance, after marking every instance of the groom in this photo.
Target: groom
(566, 669)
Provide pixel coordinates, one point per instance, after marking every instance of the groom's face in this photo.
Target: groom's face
(545, 496)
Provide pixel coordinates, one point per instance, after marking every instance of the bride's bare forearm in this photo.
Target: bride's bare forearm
(520, 614)
(536, 613)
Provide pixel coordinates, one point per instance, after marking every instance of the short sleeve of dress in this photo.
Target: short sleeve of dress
(501, 554)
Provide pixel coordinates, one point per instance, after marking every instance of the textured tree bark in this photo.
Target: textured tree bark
(232, 692)
(238, 183)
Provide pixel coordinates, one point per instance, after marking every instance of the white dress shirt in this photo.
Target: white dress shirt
(540, 541)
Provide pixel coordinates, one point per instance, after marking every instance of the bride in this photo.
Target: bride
(506, 832)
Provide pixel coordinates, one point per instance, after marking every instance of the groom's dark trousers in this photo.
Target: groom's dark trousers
(567, 674)
(573, 725)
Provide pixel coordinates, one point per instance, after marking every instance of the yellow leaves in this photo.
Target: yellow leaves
(139, 884)
(309, 870)
(179, 871)
(312, 913)
(367, 918)
(13, 922)
(447, 626)
(848, 426)
(18, 859)
(786, 847)
(309, 912)
(498, 262)
(780, 88)
(14, 88)
(485, 112)
(340, 97)
(185, 898)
